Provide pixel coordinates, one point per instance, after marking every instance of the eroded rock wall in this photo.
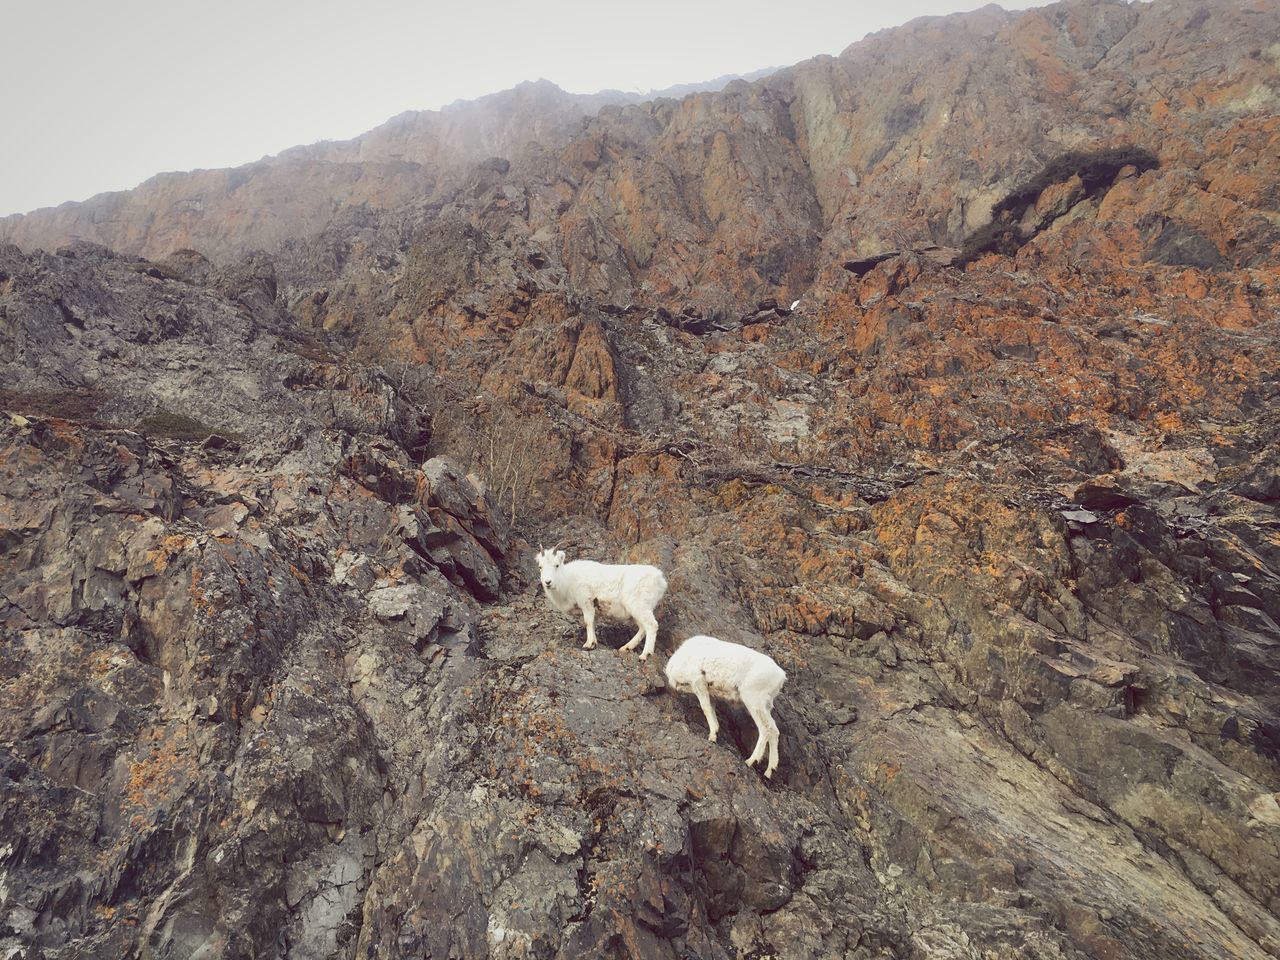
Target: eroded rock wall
(276, 678)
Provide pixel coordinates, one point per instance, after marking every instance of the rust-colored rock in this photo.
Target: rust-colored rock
(276, 675)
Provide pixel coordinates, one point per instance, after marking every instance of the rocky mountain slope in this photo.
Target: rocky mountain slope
(999, 494)
(226, 213)
(907, 138)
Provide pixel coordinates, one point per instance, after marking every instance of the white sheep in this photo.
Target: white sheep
(710, 668)
(619, 591)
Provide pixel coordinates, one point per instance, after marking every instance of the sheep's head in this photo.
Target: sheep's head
(671, 682)
(549, 562)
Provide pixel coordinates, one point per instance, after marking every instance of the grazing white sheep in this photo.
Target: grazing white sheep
(710, 668)
(619, 591)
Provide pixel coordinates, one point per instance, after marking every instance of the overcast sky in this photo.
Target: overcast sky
(101, 94)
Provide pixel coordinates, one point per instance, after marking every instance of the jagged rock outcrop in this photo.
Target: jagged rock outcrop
(910, 137)
(276, 679)
(226, 213)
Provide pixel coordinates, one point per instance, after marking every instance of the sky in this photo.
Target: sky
(101, 94)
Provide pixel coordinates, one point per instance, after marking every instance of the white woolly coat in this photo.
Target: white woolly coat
(733, 672)
(613, 587)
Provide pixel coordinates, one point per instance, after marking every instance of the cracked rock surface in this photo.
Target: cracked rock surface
(276, 677)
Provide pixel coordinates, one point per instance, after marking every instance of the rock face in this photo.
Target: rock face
(908, 138)
(226, 213)
(276, 678)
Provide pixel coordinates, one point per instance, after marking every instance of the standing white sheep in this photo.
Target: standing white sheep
(620, 591)
(710, 668)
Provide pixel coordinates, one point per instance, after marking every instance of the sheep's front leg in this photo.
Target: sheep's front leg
(589, 615)
(708, 710)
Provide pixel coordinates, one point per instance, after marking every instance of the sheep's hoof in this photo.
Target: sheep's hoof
(768, 774)
(631, 646)
(712, 736)
(751, 761)
(588, 645)
(645, 656)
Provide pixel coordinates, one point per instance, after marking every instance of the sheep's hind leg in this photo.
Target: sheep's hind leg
(634, 641)
(773, 743)
(589, 615)
(762, 740)
(648, 629)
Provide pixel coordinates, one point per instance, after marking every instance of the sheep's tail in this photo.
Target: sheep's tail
(658, 587)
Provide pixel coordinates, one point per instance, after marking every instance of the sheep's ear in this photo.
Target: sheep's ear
(560, 556)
